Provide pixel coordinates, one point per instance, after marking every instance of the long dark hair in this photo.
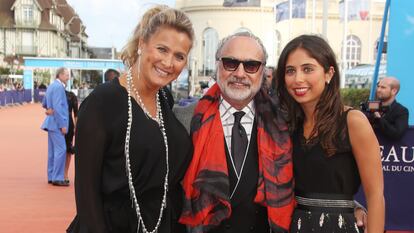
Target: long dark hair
(330, 108)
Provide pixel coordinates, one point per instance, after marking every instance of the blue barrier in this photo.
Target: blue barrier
(27, 96)
(2, 98)
(187, 101)
(398, 168)
(13, 95)
(38, 95)
(19, 97)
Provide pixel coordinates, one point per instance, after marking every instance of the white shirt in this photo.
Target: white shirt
(227, 120)
(63, 84)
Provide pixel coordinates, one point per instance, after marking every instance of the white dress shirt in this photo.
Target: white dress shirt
(227, 120)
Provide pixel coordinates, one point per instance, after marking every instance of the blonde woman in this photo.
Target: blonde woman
(131, 150)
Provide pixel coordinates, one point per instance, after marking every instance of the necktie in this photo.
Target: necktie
(238, 141)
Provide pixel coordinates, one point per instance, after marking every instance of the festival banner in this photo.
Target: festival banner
(398, 168)
(28, 79)
(400, 51)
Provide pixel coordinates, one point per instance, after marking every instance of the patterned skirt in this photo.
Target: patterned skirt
(318, 215)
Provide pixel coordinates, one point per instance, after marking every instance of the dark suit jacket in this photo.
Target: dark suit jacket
(185, 113)
(246, 216)
(393, 122)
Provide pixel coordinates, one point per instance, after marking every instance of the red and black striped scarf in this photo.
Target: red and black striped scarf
(206, 182)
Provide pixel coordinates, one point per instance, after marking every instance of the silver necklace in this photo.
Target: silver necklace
(235, 170)
(128, 164)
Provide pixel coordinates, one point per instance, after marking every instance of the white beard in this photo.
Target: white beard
(237, 94)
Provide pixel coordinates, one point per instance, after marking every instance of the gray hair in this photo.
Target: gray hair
(239, 34)
(60, 71)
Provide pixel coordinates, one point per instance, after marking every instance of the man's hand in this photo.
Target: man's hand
(49, 111)
(361, 218)
(63, 130)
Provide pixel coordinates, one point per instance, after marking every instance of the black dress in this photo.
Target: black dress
(73, 108)
(323, 178)
(102, 195)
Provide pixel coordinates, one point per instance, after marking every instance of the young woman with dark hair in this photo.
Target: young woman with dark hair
(334, 146)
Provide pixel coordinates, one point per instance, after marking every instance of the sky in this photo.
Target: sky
(111, 22)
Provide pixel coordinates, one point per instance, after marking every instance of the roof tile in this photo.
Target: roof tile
(6, 15)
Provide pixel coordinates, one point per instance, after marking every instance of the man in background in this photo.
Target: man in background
(269, 81)
(56, 125)
(392, 118)
(110, 74)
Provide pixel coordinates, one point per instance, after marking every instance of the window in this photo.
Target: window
(210, 42)
(353, 51)
(27, 38)
(27, 46)
(27, 13)
(384, 49)
(74, 52)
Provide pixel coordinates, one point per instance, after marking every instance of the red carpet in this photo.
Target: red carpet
(27, 202)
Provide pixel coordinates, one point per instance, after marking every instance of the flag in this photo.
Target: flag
(282, 11)
(357, 9)
(298, 10)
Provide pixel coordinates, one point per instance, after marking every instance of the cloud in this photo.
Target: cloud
(111, 22)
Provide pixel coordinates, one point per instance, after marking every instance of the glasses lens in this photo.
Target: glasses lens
(230, 64)
(251, 66)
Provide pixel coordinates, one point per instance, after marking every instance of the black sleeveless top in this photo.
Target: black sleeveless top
(315, 172)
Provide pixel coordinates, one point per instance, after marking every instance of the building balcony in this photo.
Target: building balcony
(26, 50)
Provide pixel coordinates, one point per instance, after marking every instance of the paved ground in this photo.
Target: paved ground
(27, 202)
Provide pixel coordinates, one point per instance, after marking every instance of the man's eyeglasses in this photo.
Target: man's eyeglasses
(231, 64)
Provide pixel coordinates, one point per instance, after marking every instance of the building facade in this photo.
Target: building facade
(269, 20)
(41, 28)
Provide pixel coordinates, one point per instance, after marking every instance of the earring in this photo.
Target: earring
(138, 63)
(139, 52)
(327, 82)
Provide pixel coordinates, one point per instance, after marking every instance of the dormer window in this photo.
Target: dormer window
(27, 13)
